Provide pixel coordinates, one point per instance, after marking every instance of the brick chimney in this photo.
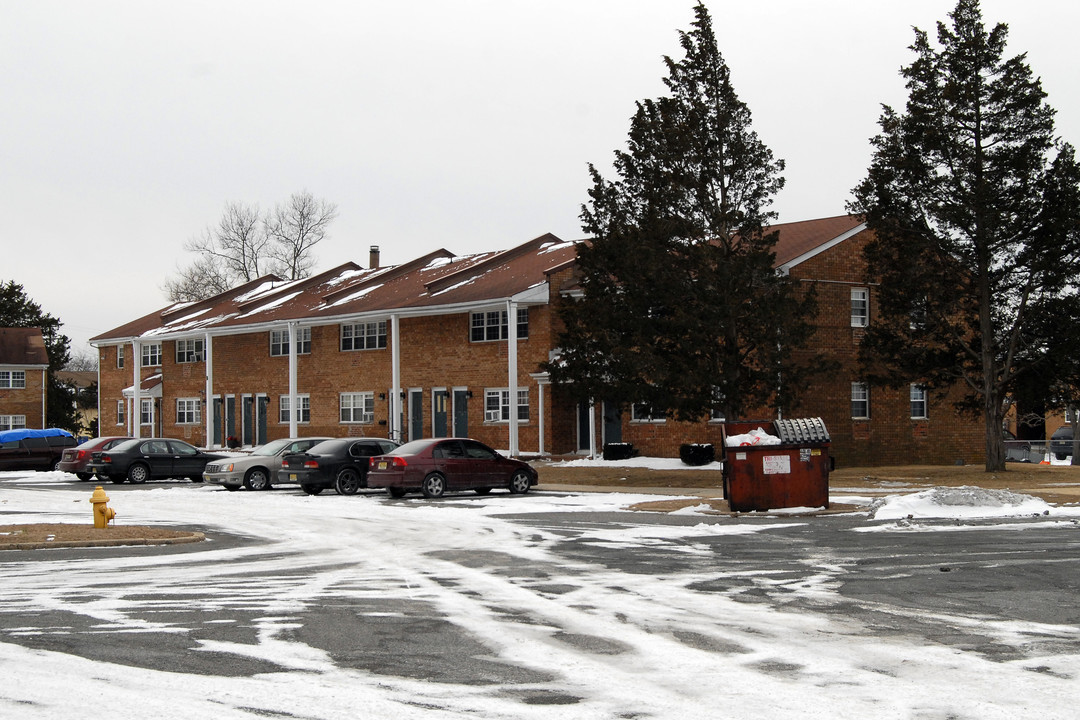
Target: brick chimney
(373, 257)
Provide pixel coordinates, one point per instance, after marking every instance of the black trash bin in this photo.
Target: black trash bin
(618, 451)
(697, 454)
(793, 473)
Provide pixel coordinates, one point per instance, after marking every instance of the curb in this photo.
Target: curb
(120, 542)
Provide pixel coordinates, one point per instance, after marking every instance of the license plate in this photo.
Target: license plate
(292, 476)
(382, 465)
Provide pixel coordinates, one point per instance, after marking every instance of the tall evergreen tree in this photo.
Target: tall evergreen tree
(18, 310)
(681, 308)
(976, 209)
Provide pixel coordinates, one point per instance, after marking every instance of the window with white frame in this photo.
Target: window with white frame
(716, 413)
(357, 407)
(497, 405)
(303, 402)
(188, 411)
(121, 407)
(12, 379)
(919, 406)
(189, 351)
(151, 354)
(491, 325)
(860, 307)
(363, 336)
(860, 400)
(12, 422)
(279, 342)
(642, 413)
(146, 413)
(119, 356)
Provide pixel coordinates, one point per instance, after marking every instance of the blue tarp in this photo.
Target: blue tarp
(13, 435)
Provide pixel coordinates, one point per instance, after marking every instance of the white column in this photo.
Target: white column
(294, 411)
(395, 379)
(44, 401)
(511, 362)
(136, 390)
(540, 383)
(208, 355)
(592, 429)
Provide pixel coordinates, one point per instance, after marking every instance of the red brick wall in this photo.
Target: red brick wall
(436, 352)
(25, 401)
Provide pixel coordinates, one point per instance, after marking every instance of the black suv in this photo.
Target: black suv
(28, 449)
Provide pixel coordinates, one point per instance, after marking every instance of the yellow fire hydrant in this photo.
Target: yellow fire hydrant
(103, 514)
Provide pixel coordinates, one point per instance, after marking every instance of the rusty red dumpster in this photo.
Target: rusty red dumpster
(791, 473)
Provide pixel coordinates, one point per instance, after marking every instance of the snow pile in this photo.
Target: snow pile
(958, 502)
(757, 436)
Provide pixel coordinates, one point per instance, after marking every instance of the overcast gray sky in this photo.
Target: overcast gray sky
(126, 125)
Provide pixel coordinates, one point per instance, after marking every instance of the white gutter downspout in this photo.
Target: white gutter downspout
(135, 420)
(44, 401)
(294, 411)
(395, 379)
(511, 362)
(208, 353)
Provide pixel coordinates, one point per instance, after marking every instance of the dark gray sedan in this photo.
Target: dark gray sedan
(145, 459)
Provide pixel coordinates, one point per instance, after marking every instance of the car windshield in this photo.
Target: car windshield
(412, 448)
(328, 447)
(273, 447)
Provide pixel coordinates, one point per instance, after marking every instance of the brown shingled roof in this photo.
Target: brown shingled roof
(438, 281)
(22, 346)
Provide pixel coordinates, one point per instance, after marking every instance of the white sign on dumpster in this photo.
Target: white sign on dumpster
(776, 464)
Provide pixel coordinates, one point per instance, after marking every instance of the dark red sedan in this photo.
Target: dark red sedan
(74, 459)
(434, 466)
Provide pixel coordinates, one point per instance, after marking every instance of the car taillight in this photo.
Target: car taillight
(311, 464)
(391, 462)
(106, 458)
(81, 455)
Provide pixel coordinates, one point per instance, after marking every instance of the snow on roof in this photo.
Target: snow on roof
(263, 287)
(353, 296)
(271, 305)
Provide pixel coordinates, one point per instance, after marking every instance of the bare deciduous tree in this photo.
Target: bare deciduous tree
(247, 244)
(294, 229)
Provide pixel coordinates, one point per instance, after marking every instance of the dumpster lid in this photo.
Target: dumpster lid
(801, 431)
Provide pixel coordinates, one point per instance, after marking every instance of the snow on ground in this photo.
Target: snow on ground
(650, 463)
(749, 659)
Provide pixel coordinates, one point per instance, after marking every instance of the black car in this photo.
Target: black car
(341, 464)
(145, 459)
(1061, 442)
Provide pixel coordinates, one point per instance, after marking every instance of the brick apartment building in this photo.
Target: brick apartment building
(452, 345)
(24, 366)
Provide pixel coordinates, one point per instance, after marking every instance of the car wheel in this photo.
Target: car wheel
(312, 489)
(347, 482)
(434, 486)
(519, 483)
(483, 491)
(396, 492)
(257, 479)
(138, 474)
(84, 476)
(56, 464)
